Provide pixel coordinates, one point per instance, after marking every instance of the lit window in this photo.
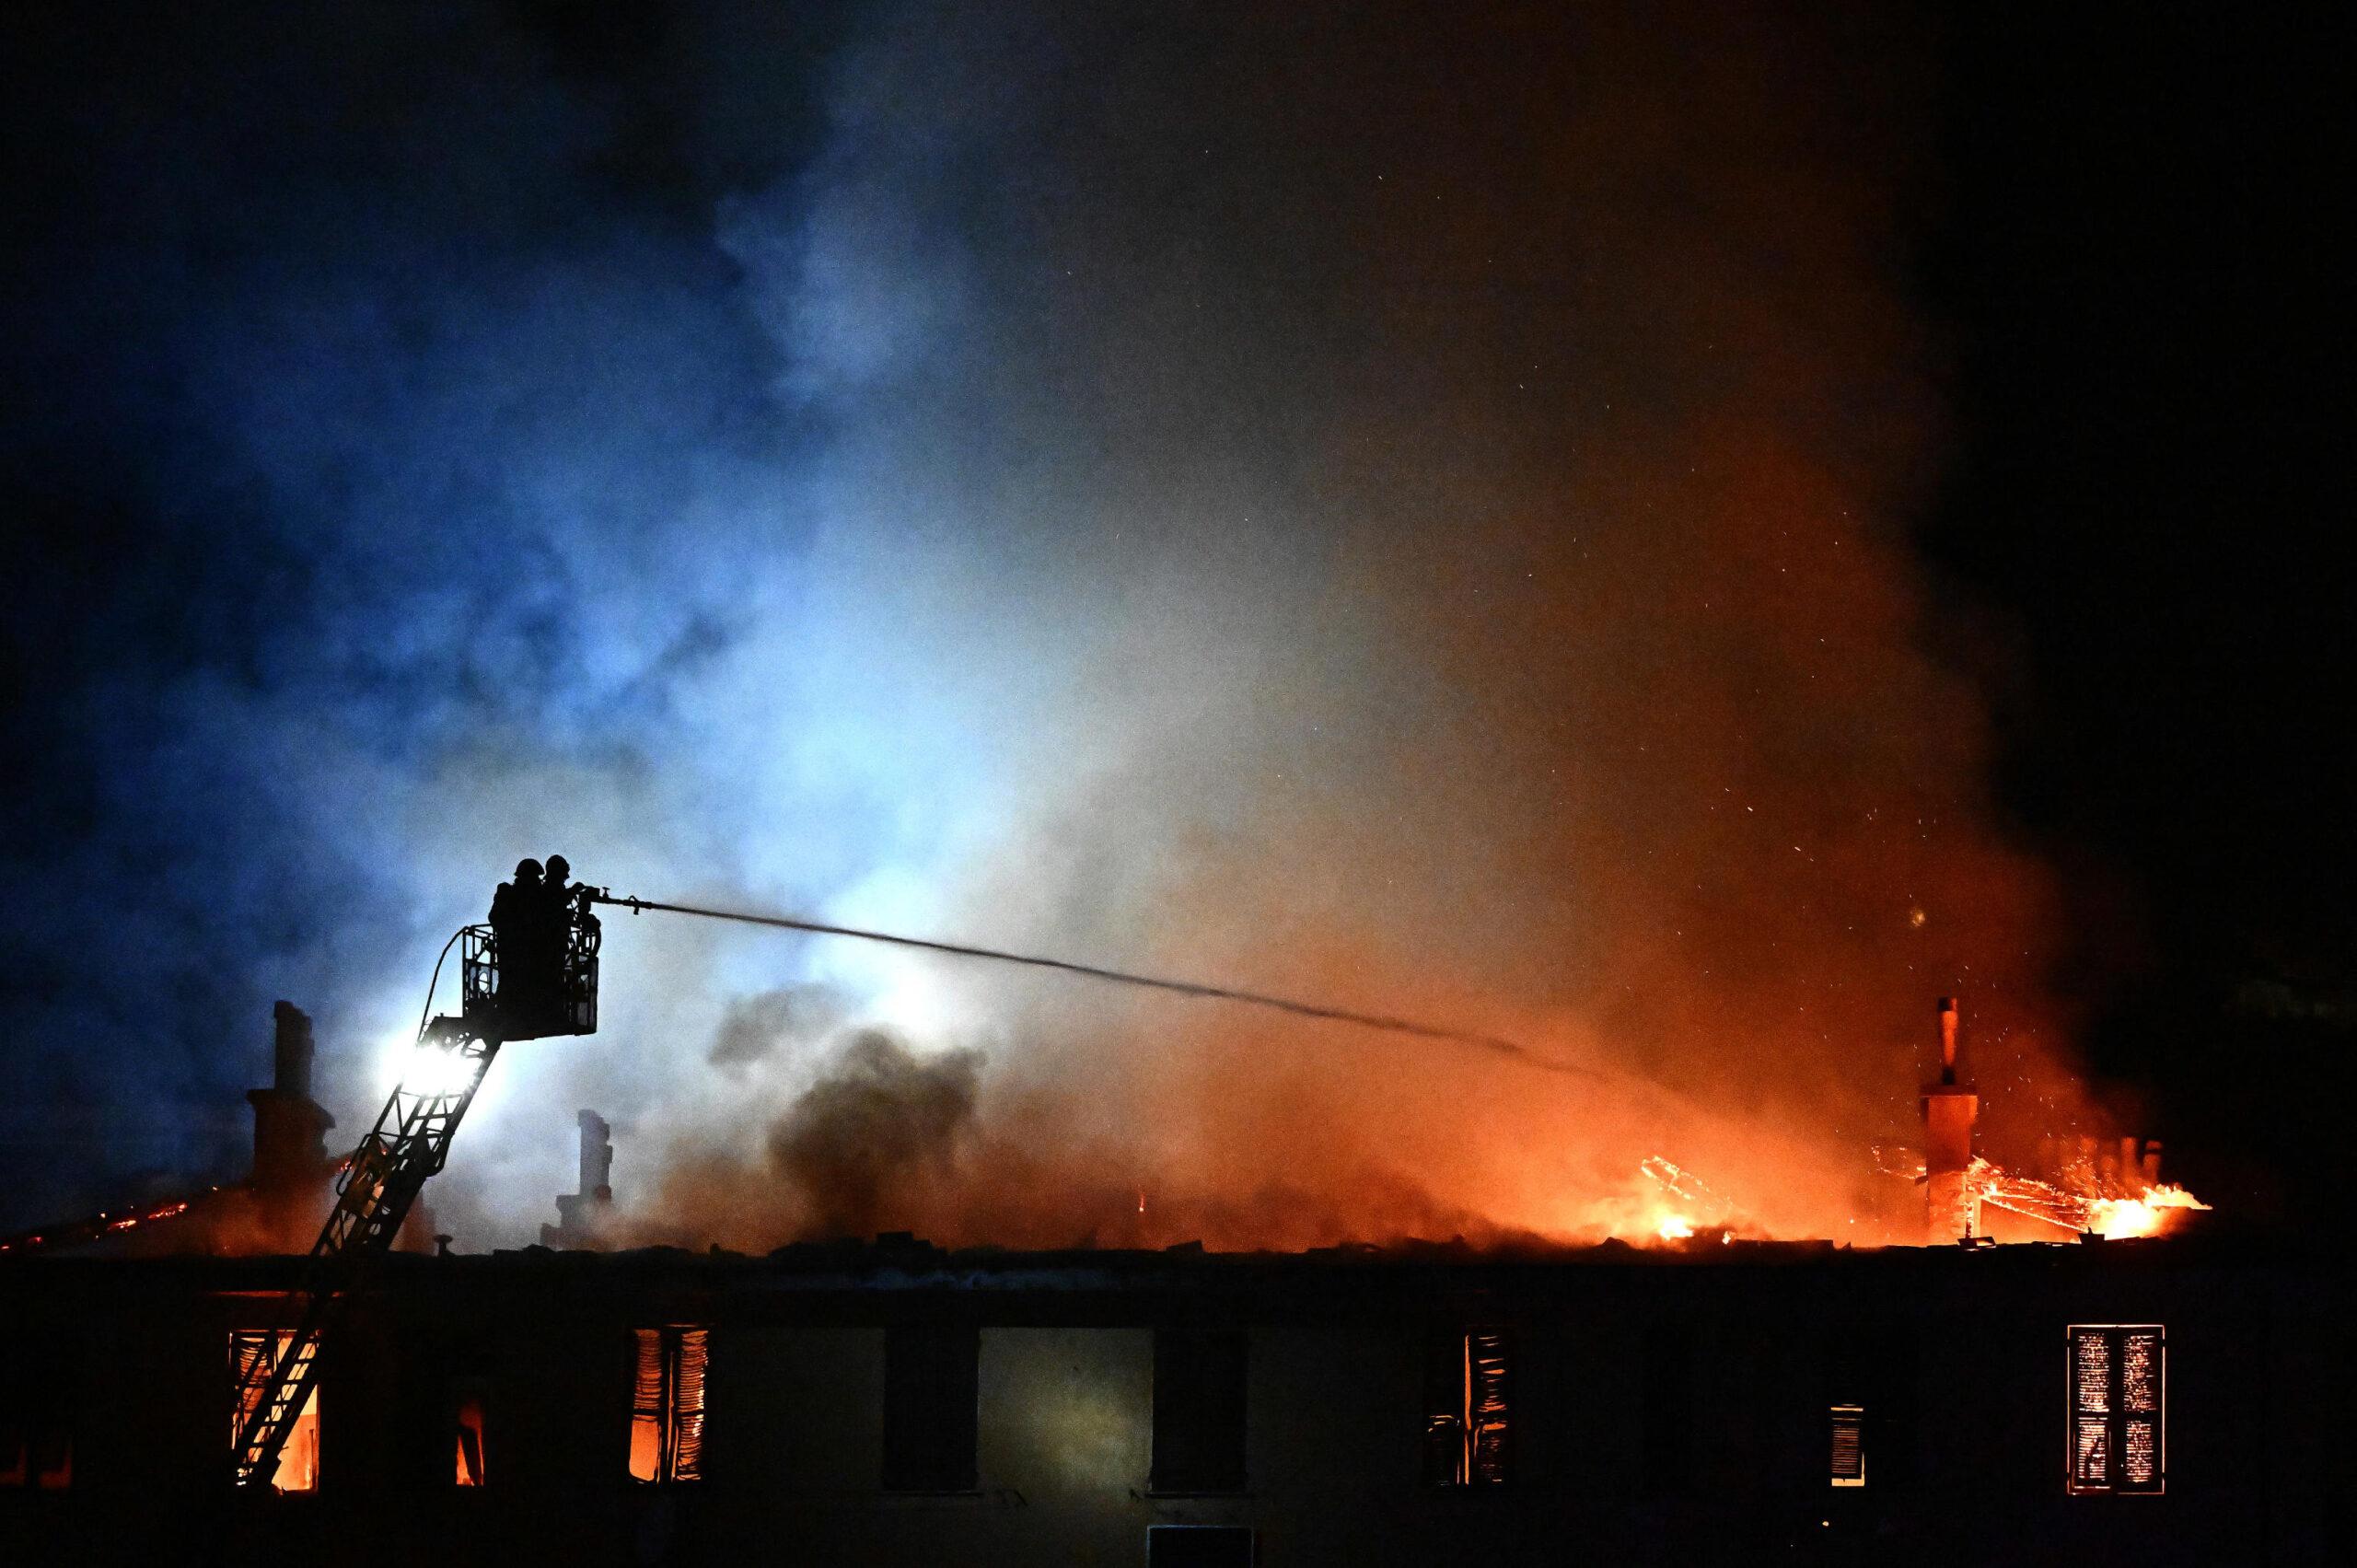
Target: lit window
(666, 1405)
(1849, 1459)
(2118, 1401)
(467, 1424)
(251, 1350)
(1466, 1389)
(932, 1377)
(1198, 1411)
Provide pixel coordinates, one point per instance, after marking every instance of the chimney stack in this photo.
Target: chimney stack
(597, 1157)
(290, 1127)
(291, 1056)
(1950, 1111)
(580, 1217)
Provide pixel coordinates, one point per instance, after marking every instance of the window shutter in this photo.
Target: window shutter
(687, 1445)
(1849, 1457)
(646, 1456)
(1468, 1395)
(1445, 1408)
(2118, 1408)
(1486, 1381)
(2138, 1456)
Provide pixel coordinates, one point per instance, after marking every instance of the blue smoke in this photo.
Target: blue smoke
(1355, 506)
(413, 474)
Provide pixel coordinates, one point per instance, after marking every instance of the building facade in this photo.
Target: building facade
(2150, 1402)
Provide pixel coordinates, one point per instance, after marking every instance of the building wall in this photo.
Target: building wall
(1961, 1356)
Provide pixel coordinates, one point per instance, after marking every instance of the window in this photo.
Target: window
(466, 1426)
(1466, 1385)
(1849, 1459)
(2118, 1399)
(1198, 1546)
(931, 1376)
(1669, 1409)
(1198, 1410)
(251, 1350)
(667, 1404)
(36, 1428)
(1868, 1393)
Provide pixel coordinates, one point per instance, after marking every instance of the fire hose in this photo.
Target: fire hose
(1298, 1008)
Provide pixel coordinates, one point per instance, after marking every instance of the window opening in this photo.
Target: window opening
(1199, 1410)
(298, 1459)
(1849, 1456)
(1466, 1385)
(1199, 1546)
(2118, 1409)
(467, 1427)
(930, 1379)
(667, 1404)
(1668, 1426)
(36, 1435)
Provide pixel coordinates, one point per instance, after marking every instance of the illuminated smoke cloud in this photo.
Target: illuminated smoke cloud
(1202, 493)
(766, 1021)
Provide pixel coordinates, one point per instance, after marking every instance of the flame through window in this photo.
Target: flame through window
(467, 1424)
(1468, 1385)
(2118, 1409)
(667, 1404)
(298, 1461)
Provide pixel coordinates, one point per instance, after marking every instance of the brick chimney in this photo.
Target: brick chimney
(290, 1127)
(1950, 1109)
(580, 1217)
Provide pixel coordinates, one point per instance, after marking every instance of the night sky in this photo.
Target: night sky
(820, 457)
(2145, 381)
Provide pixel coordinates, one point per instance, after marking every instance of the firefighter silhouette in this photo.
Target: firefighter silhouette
(529, 922)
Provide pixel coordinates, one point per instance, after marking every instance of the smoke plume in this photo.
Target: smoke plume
(879, 1116)
(1398, 511)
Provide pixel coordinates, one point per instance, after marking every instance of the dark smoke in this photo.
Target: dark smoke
(878, 1118)
(767, 1021)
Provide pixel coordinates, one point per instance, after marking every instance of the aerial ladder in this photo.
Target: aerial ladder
(411, 1139)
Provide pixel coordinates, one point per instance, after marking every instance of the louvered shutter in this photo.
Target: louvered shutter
(687, 1444)
(1848, 1453)
(1488, 1375)
(2118, 1408)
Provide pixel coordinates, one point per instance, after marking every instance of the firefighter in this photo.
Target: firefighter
(556, 890)
(571, 902)
(518, 920)
(511, 908)
(557, 915)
